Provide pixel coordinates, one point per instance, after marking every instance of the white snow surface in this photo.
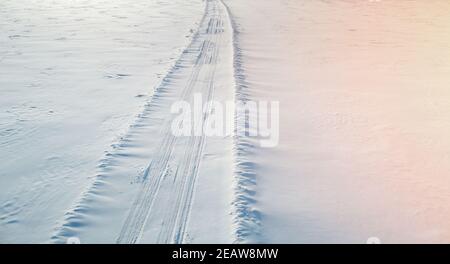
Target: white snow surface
(364, 98)
(85, 93)
(73, 77)
(155, 187)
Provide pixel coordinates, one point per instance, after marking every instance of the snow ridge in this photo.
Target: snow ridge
(247, 218)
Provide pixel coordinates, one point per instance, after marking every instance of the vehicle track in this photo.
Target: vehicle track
(145, 186)
(169, 180)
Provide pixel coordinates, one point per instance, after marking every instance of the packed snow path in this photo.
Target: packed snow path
(177, 159)
(149, 180)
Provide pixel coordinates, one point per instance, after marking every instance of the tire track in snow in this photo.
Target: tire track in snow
(157, 208)
(178, 159)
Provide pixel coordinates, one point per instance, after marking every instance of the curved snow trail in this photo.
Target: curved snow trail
(146, 186)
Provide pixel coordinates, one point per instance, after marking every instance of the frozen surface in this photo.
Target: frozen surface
(154, 187)
(85, 147)
(365, 122)
(73, 76)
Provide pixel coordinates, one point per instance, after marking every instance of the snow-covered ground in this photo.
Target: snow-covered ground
(365, 122)
(86, 149)
(155, 187)
(73, 77)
